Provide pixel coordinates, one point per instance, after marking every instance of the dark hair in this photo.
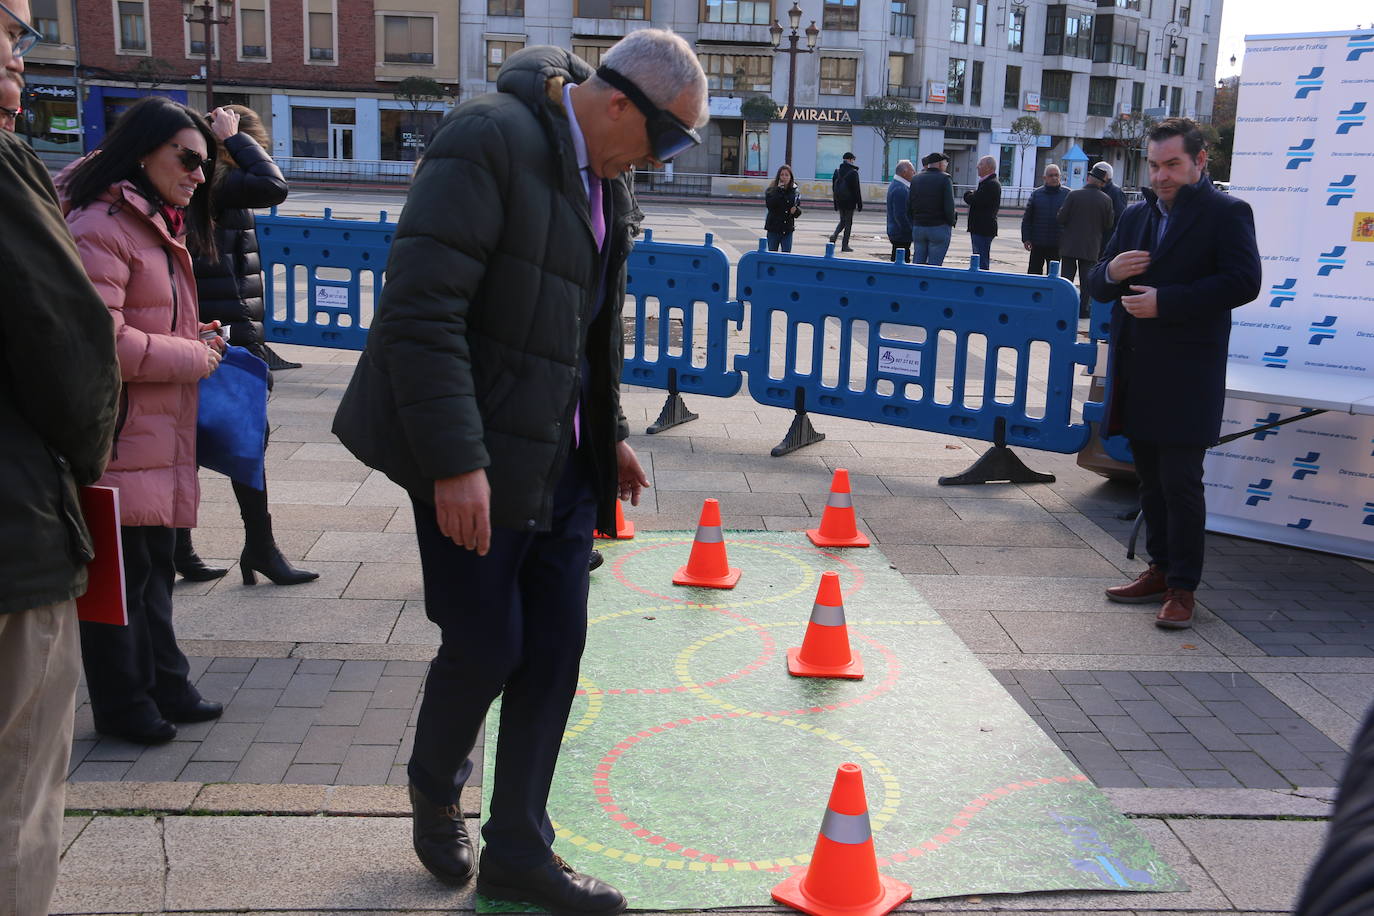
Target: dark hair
(778, 177)
(1193, 141)
(148, 124)
(251, 125)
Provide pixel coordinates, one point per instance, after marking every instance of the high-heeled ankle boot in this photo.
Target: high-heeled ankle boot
(192, 567)
(260, 552)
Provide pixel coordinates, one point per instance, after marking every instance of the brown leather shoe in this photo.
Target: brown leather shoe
(1177, 613)
(1148, 587)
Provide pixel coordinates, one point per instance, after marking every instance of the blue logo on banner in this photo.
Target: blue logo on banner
(1301, 524)
(1350, 119)
(1306, 466)
(1283, 293)
(1358, 45)
(1368, 514)
(1276, 359)
(1302, 153)
(1265, 421)
(1322, 330)
(1330, 261)
(1340, 190)
(1259, 492)
(1310, 83)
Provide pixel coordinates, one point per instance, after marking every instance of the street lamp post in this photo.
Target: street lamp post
(206, 19)
(812, 33)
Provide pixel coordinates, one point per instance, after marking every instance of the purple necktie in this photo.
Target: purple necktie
(598, 230)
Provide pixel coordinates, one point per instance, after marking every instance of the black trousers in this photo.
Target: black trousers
(845, 225)
(513, 625)
(1082, 268)
(1040, 255)
(137, 674)
(897, 248)
(1175, 508)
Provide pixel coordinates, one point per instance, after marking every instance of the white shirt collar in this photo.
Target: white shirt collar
(579, 142)
(905, 181)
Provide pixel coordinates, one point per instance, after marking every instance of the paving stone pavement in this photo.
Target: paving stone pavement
(1201, 735)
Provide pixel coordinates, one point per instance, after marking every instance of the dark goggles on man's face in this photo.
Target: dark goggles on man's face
(668, 136)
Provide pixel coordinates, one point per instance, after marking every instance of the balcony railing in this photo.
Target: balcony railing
(903, 25)
(904, 92)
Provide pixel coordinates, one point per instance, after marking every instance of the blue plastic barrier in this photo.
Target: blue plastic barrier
(1116, 447)
(321, 277)
(889, 328)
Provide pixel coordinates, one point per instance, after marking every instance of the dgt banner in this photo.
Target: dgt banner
(1304, 160)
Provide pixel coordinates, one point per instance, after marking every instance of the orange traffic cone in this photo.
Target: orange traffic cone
(838, 527)
(843, 879)
(624, 530)
(708, 566)
(825, 652)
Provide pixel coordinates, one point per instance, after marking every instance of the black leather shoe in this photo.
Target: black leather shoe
(553, 885)
(199, 711)
(159, 731)
(195, 570)
(441, 839)
(595, 561)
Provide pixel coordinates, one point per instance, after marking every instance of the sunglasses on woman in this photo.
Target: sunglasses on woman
(190, 159)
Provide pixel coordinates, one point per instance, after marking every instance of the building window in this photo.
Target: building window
(310, 132)
(1121, 4)
(405, 133)
(896, 72)
(738, 12)
(830, 148)
(1177, 53)
(841, 14)
(954, 91)
(738, 72)
(1101, 96)
(613, 9)
(133, 32)
(1069, 34)
(839, 75)
(1054, 90)
(252, 34)
(1184, 15)
(1011, 89)
(980, 22)
(958, 22)
(975, 86)
(1137, 98)
(497, 52)
(504, 8)
(408, 40)
(1202, 64)
(45, 21)
(590, 53)
(322, 36)
(1016, 30)
(1176, 102)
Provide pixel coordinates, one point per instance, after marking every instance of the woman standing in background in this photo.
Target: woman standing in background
(783, 201)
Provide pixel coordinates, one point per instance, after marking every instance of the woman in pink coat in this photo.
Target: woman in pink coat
(129, 206)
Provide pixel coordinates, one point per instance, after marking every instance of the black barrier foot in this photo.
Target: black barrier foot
(674, 412)
(997, 464)
(801, 433)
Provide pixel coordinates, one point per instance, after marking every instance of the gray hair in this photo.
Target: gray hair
(903, 167)
(988, 160)
(1053, 168)
(661, 64)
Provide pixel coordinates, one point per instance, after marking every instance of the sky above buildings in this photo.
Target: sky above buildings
(1274, 17)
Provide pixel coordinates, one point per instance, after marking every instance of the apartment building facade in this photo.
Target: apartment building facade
(327, 71)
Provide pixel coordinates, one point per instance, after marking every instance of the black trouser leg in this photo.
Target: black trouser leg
(845, 225)
(513, 624)
(1040, 256)
(135, 671)
(1175, 507)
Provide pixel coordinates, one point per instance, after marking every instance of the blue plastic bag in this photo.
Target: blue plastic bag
(231, 426)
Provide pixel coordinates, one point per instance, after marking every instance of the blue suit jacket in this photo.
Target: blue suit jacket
(1168, 374)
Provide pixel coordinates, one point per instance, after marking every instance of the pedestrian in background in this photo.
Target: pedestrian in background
(59, 390)
(135, 206)
(1179, 262)
(1085, 223)
(1039, 226)
(931, 207)
(848, 195)
(898, 219)
(984, 202)
(783, 201)
(229, 288)
(1102, 171)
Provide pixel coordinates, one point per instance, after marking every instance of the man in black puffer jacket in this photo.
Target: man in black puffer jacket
(489, 389)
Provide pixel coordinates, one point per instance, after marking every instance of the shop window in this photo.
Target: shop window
(839, 75)
(405, 133)
(133, 28)
(51, 118)
(310, 133)
(738, 72)
(738, 12)
(497, 52)
(841, 15)
(408, 40)
(830, 150)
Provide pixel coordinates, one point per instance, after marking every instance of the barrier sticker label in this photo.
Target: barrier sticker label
(331, 297)
(898, 361)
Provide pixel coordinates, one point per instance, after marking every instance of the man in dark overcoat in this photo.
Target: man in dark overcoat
(1179, 262)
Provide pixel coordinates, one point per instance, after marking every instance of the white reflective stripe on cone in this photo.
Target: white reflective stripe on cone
(850, 829)
(709, 534)
(840, 501)
(827, 616)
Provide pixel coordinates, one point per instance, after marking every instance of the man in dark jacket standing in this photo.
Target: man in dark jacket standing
(1039, 228)
(848, 195)
(1179, 262)
(932, 211)
(1085, 223)
(983, 203)
(1102, 171)
(59, 387)
(898, 219)
(489, 389)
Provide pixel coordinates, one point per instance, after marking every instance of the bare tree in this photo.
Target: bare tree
(1130, 131)
(418, 92)
(888, 117)
(149, 73)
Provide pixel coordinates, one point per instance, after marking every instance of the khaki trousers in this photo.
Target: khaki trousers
(40, 664)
